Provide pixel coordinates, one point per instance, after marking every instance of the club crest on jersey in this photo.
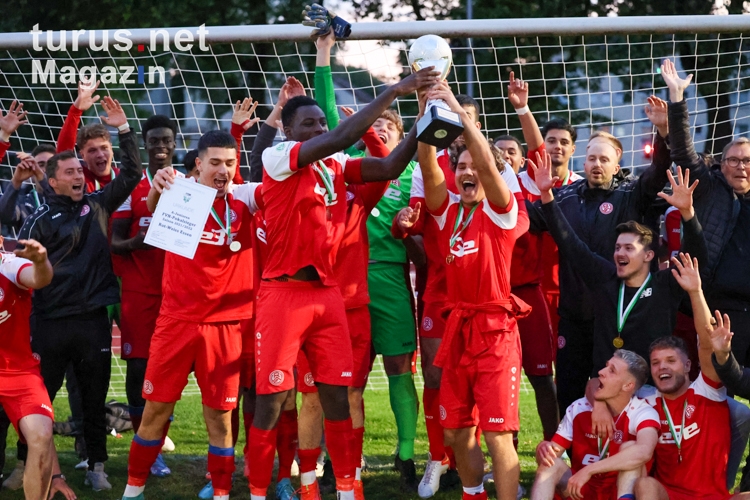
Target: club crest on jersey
(2, 294)
(560, 342)
(689, 411)
(232, 215)
(309, 380)
(349, 196)
(127, 348)
(148, 387)
(427, 324)
(617, 437)
(276, 378)
(606, 208)
(36, 356)
(462, 248)
(85, 210)
(443, 413)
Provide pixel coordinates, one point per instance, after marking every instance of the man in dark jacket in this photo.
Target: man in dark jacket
(594, 207)
(19, 201)
(69, 318)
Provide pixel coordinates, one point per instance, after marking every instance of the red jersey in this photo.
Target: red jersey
(427, 227)
(140, 270)
(536, 258)
(575, 432)
(15, 310)
(217, 285)
(304, 222)
(260, 247)
(480, 255)
(352, 259)
(673, 226)
(705, 441)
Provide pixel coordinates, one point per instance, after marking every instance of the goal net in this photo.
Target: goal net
(595, 73)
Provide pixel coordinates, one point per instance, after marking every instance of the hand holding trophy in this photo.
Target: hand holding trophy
(439, 126)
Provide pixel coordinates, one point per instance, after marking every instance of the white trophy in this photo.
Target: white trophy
(439, 126)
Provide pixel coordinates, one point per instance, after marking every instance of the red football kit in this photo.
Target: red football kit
(481, 351)
(205, 302)
(140, 273)
(434, 297)
(22, 390)
(700, 419)
(575, 432)
(305, 213)
(351, 273)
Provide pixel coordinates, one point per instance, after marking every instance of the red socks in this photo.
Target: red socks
(221, 468)
(286, 443)
(260, 452)
(431, 401)
(359, 439)
(308, 460)
(142, 456)
(340, 448)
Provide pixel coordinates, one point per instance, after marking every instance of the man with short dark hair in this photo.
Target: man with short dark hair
(69, 320)
(189, 163)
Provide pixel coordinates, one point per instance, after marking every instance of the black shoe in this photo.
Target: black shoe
(450, 480)
(408, 471)
(327, 482)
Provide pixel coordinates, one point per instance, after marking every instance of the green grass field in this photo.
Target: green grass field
(188, 461)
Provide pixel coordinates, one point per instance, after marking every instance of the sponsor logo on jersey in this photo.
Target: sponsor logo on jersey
(144, 221)
(4, 316)
(606, 208)
(56, 216)
(85, 210)
(443, 413)
(309, 380)
(230, 400)
(589, 459)
(691, 430)
(44, 406)
(127, 348)
(148, 387)
(427, 324)
(646, 293)
(392, 194)
(276, 378)
(560, 341)
(144, 198)
(261, 235)
(496, 420)
(462, 247)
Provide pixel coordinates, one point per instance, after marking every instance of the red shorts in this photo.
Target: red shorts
(300, 315)
(23, 393)
(211, 350)
(358, 320)
(247, 362)
(538, 343)
(599, 491)
(553, 302)
(677, 495)
(433, 323)
(138, 313)
(491, 381)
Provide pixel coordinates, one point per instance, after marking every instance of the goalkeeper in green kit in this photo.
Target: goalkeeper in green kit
(391, 298)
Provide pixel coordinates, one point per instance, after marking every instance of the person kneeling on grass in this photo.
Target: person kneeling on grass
(601, 469)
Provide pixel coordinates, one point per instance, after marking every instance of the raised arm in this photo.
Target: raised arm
(86, 98)
(597, 268)
(682, 199)
(116, 192)
(341, 138)
(518, 95)
(654, 178)
(732, 375)
(687, 274)
(10, 211)
(40, 273)
(389, 168)
(242, 120)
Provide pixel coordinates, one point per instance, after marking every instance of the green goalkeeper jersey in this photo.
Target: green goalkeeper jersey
(383, 246)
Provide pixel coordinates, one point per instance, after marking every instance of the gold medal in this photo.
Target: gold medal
(449, 259)
(235, 246)
(618, 342)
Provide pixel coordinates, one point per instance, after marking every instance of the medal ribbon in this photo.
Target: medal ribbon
(36, 196)
(228, 228)
(622, 316)
(603, 452)
(112, 177)
(458, 231)
(325, 177)
(675, 435)
(150, 179)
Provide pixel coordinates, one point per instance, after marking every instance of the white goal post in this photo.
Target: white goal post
(594, 72)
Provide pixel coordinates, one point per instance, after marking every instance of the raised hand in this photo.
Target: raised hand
(347, 111)
(675, 84)
(31, 250)
(518, 92)
(721, 337)
(291, 88)
(686, 273)
(326, 42)
(243, 113)
(86, 97)
(656, 111)
(682, 194)
(407, 217)
(25, 170)
(14, 118)
(442, 91)
(543, 175)
(163, 178)
(115, 116)
(424, 78)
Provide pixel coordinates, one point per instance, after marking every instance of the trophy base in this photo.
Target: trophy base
(439, 127)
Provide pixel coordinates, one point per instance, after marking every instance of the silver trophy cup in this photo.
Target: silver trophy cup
(439, 126)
